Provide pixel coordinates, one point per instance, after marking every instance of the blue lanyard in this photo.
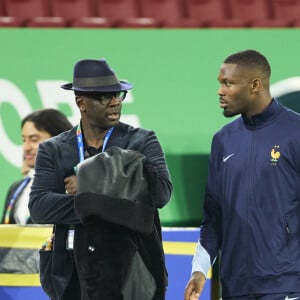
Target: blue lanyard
(80, 141)
(14, 198)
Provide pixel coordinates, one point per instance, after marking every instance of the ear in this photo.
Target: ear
(80, 103)
(256, 86)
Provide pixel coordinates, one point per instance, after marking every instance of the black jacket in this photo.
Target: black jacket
(49, 204)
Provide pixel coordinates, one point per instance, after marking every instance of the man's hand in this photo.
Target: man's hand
(195, 286)
(71, 185)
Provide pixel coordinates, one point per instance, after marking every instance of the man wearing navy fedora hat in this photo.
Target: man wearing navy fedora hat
(101, 184)
(96, 76)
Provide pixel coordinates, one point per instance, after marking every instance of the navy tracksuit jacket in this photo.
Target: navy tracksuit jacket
(252, 203)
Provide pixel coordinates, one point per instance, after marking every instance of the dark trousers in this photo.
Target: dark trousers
(73, 290)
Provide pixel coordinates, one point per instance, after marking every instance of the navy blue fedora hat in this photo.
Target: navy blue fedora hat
(95, 76)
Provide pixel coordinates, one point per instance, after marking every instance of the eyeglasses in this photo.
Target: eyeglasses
(105, 98)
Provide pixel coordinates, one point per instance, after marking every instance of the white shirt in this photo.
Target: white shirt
(21, 212)
(201, 260)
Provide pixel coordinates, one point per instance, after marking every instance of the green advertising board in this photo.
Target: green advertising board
(174, 73)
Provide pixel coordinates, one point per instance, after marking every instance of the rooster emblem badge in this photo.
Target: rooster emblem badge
(275, 154)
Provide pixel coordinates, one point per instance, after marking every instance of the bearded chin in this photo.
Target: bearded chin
(228, 114)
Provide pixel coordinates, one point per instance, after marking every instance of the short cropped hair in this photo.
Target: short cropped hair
(251, 60)
(49, 119)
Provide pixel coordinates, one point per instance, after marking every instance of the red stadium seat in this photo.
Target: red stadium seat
(296, 23)
(11, 22)
(35, 12)
(288, 10)
(124, 13)
(54, 22)
(26, 9)
(270, 23)
(92, 22)
(249, 9)
(228, 23)
(168, 12)
(71, 9)
(6, 21)
(139, 22)
(116, 10)
(79, 13)
(257, 13)
(206, 11)
(2, 11)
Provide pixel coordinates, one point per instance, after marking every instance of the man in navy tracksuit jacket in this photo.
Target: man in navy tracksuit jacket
(252, 200)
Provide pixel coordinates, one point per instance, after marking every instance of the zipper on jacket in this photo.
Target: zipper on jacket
(287, 228)
(249, 196)
(288, 237)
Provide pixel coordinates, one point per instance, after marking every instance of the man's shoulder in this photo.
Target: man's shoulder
(231, 126)
(65, 136)
(291, 114)
(129, 129)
